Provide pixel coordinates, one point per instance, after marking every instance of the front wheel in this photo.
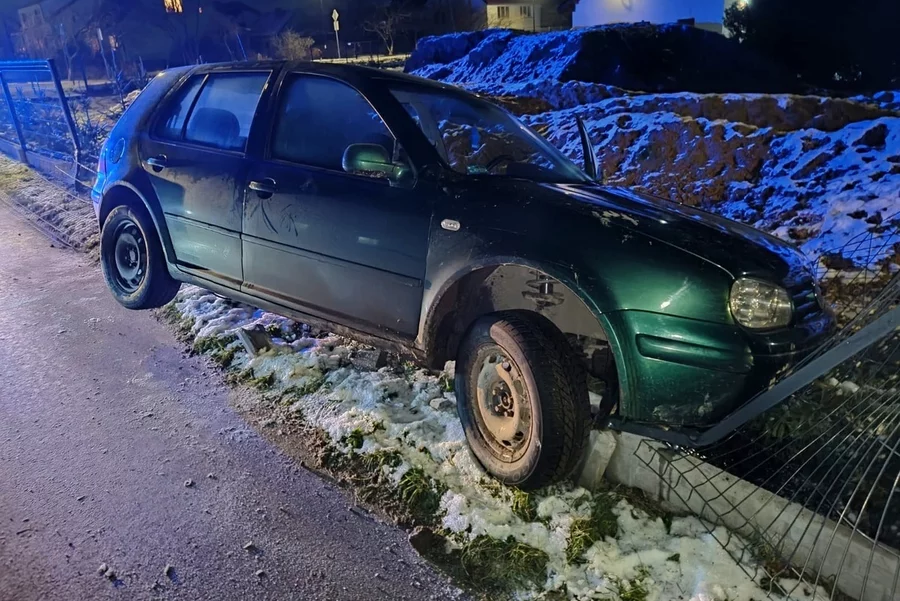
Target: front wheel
(522, 398)
(133, 262)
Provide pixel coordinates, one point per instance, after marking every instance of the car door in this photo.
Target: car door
(194, 158)
(343, 246)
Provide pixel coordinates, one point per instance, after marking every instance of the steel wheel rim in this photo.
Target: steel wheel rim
(502, 408)
(129, 257)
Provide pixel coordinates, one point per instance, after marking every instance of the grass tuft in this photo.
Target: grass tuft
(265, 382)
(505, 564)
(355, 439)
(421, 494)
(447, 383)
(217, 348)
(635, 589)
(585, 531)
(523, 505)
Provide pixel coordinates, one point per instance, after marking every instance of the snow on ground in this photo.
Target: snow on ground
(410, 413)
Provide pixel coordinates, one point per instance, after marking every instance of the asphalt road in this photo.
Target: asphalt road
(103, 420)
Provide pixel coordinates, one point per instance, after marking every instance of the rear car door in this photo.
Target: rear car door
(344, 246)
(194, 158)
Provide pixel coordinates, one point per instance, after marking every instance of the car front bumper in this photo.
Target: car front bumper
(684, 372)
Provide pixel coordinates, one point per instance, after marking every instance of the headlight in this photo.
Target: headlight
(759, 305)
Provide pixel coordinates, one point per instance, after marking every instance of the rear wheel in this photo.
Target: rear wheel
(522, 398)
(133, 262)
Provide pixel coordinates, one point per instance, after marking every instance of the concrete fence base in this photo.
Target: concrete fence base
(811, 543)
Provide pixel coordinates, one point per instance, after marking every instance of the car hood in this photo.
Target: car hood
(736, 248)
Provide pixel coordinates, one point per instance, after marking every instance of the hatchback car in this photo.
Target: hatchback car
(419, 217)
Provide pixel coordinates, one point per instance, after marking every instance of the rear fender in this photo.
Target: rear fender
(124, 192)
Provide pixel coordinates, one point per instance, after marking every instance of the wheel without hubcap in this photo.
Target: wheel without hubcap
(504, 413)
(133, 261)
(522, 399)
(130, 256)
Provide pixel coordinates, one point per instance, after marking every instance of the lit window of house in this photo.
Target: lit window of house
(503, 12)
(173, 6)
(525, 11)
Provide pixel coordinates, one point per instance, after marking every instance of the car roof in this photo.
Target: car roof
(341, 71)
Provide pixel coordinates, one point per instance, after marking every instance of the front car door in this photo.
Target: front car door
(346, 247)
(194, 157)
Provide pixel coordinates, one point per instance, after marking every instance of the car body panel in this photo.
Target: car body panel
(200, 193)
(338, 245)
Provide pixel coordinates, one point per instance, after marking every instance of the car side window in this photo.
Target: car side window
(171, 126)
(319, 118)
(224, 111)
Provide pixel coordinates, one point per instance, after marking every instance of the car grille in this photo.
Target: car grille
(807, 301)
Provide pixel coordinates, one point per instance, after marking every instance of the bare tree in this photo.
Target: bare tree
(291, 45)
(386, 23)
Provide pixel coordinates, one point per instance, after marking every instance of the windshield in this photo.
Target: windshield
(476, 138)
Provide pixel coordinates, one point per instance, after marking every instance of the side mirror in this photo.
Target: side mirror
(373, 160)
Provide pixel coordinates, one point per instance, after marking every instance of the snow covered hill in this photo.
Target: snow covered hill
(823, 173)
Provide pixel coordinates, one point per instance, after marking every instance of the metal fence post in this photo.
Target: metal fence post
(23, 156)
(64, 104)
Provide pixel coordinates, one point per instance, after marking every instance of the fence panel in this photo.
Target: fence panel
(36, 122)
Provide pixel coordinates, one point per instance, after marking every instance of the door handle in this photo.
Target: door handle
(157, 163)
(264, 188)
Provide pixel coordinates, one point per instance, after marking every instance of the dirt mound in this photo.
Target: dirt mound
(782, 112)
(887, 99)
(822, 190)
(632, 56)
(440, 50)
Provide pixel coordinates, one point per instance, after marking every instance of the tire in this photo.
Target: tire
(555, 400)
(133, 262)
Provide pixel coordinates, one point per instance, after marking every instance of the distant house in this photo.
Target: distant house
(539, 15)
(43, 25)
(706, 14)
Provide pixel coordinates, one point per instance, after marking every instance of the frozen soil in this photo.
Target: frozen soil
(49, 205)
(392, 434)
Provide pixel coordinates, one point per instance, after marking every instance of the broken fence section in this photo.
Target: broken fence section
(810, 485)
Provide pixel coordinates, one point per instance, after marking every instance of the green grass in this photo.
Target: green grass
(523, 505)
(265, 382)
(634, 589)
(374, 462)
(217, 348)
(503, 564)
(312, 384)
(585, 531)
(421, 494)
(447, 383)
(240, 377)
(274, 330)
(355, 439)
(183, 325)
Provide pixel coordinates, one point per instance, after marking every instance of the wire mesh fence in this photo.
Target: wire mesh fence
(810, 486)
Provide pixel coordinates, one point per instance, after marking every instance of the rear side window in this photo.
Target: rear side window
(320, 117)
(172, 124)
(222, 113)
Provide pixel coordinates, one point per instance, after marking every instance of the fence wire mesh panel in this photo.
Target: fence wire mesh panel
(809, 488)
(36, 114)
(854, 274)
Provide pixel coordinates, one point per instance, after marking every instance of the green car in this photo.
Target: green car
(418, 217)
